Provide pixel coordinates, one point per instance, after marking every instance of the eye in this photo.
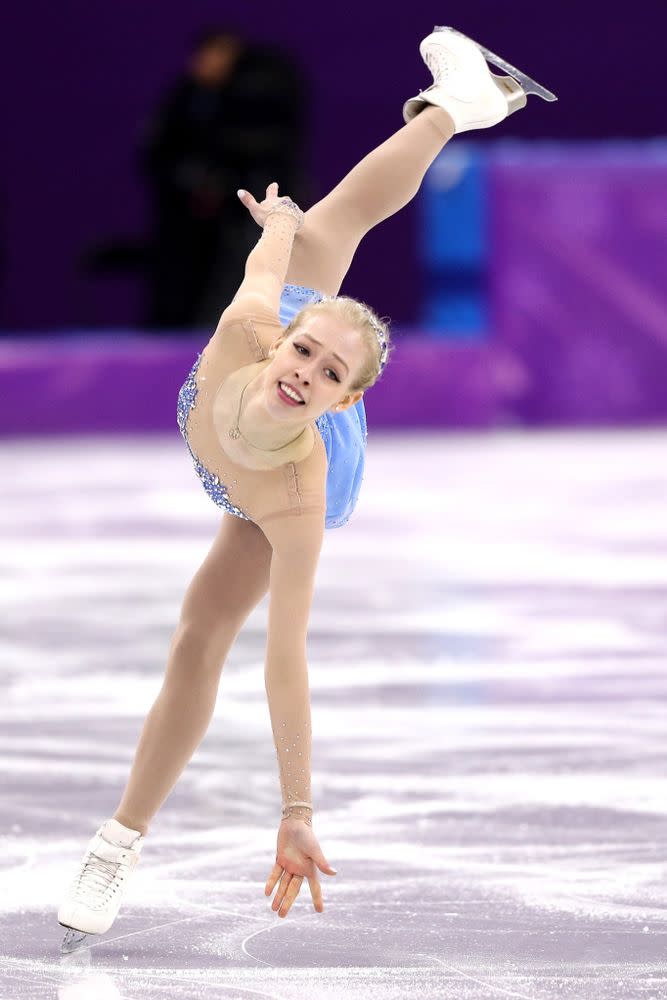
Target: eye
(300, 347)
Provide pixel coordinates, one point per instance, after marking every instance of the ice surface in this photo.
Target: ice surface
(487, 669)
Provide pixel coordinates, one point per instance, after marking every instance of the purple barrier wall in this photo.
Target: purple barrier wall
(579, 279)
(131, 383)
(578, 320)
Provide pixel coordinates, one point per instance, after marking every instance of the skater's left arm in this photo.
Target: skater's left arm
(296, 541)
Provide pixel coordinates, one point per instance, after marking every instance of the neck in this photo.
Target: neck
(258, 427)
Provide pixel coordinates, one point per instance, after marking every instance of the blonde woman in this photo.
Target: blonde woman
(272, 414)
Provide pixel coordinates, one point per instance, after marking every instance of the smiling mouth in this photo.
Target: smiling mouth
(288, 399)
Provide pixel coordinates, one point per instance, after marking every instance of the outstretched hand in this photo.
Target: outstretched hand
(298, 855)
(260, 210)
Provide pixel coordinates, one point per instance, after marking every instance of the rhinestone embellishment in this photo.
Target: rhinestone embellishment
(217, 491)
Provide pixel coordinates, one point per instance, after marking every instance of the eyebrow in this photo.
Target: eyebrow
(337, 356)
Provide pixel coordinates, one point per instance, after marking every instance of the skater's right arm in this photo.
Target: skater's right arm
(267, 263)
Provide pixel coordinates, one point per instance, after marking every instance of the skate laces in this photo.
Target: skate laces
(439, 63)
(95, 878)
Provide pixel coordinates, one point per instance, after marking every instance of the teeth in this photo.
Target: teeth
(288, 392)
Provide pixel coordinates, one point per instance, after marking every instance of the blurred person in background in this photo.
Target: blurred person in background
(235, 117)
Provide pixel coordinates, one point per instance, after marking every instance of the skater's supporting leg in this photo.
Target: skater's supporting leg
(229, 584)
(381, 184)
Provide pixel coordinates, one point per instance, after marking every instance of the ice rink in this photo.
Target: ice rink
(487, 664)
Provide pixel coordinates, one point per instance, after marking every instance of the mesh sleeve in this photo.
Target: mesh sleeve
(271, 254)
(296, 545)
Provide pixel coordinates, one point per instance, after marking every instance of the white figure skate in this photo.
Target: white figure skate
(464, 86)
(93, 899)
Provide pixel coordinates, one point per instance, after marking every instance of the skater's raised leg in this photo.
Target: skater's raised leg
(377, 187)
(465, 95)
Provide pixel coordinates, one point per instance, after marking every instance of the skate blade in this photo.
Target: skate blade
(72, 941)
(528, 85)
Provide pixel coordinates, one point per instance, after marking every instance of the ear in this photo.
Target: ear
(347, 401)
(276, 344)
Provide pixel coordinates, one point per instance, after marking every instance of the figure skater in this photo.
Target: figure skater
(286, 342)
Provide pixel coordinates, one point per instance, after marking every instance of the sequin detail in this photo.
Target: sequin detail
(217, 491)
(286, 206)
(299, 293)
(293, 787)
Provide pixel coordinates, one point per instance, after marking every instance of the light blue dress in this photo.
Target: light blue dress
(344, 434)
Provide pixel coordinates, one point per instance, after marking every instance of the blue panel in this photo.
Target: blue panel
(453, 244)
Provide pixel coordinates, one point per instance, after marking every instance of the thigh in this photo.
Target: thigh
(230, 582)
(325, 245)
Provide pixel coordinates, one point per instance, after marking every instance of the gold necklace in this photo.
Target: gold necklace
(235, 432)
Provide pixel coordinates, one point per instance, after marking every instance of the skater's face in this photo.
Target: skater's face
(321, 360)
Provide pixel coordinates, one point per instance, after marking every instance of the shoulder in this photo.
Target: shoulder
(296, 543)
(250, 306)
(260, 323)
(296, 536)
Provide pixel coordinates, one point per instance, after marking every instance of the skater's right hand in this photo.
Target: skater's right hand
(298, 854)
(260, 210)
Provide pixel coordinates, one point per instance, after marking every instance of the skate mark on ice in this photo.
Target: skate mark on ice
(480, 982)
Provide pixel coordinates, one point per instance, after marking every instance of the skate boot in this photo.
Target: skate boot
(93, 899)
(465, 87)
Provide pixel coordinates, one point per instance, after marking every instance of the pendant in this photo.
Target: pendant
(234, 432)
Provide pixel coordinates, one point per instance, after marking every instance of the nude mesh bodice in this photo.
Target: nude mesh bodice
(256, 495)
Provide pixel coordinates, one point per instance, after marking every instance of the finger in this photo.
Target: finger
(316, 893)
(324, 865)
(290, 895)
(273, 878)
(282, 889)
(246, 198)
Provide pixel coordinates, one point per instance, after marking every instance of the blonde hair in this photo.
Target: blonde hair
(374, 331)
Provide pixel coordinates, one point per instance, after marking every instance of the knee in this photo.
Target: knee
(197, 651)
